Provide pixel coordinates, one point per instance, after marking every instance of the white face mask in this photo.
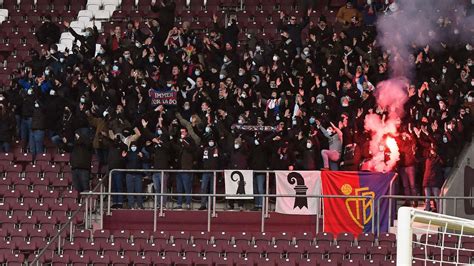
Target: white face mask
(445, 140)
(445, 70)
(46, 72)
(256, 142)
(133, 148)
(115, 68)
(319, 101)
(275, 58)
(324, 83)
(211, 143)
(208, 130)
(2, 98)
(83, 100)
(221, 76)
(52, 92)
(309, 145)
(197, 73)
(226, 59)
(472, 83)
(103, 63)
(87, 34)
(30, 92)
(241, 73)
(236, 146)
(469, 99)
(183, 136)
(169, 85)
(61, 59)
(186, 107)
(330, 132)
(37, 105)
(258, 48)
(159, 132)
(52, 51)
(151, 60)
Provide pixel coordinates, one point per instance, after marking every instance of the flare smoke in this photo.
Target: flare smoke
(414, 25)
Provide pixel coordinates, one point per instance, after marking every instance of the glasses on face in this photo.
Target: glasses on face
(292, 18)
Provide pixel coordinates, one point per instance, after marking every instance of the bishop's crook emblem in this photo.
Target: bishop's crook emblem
(240, 180)
(300, 189)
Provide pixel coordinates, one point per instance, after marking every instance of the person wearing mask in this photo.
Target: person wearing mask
(81, 160)
(407, 164)
(333, 154)
(431, 176)
(116, 161)
(27, 107)
(88, 41)
(133, 160)
(38, 127)
(184, 147)
(160, 150)
(258, 161)
(210, 161)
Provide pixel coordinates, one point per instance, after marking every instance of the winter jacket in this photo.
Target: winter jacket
(81, 155)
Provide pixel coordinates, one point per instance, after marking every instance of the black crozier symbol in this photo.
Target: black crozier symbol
(240, 180)
(300, 189)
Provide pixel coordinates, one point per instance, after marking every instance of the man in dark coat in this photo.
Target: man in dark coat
(88, 41)
(81, 159)
(184, 181)
(210, 161)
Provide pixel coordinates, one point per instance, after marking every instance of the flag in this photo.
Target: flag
(238, 182)
(354, 215)
(298, 183)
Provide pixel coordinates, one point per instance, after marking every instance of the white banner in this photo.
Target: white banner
(298, 183)
(238, 182)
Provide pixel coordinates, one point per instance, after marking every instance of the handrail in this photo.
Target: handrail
(61, 230)
(403, 197)
(213, 195)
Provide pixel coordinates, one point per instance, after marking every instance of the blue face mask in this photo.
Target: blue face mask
(133, 148)
(312, 120)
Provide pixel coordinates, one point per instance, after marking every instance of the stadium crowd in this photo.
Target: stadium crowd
(295, 103)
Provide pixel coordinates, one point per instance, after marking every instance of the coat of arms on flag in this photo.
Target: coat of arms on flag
(238, 182)
(298, 183)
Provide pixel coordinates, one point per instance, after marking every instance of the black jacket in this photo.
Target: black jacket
(81, 155)
(210, 158)
(161, 154)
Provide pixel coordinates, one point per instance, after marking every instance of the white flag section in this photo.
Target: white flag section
(298, 183)
(238, 182)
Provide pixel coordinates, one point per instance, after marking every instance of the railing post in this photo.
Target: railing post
(317, 214)
(214, 192)
(262, 229)
(378, 214)
(155, 202)
(109, 197)
(455, 206)
(86, 218)
(372, 209)
(161, 191)
(209, 213)
(267, 192)
(101, 207)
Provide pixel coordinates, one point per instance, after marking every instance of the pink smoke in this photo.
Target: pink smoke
(391, 96)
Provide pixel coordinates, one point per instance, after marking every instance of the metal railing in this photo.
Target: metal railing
(214, 195)
(69, 225)
(214, 185)
(403, 197)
